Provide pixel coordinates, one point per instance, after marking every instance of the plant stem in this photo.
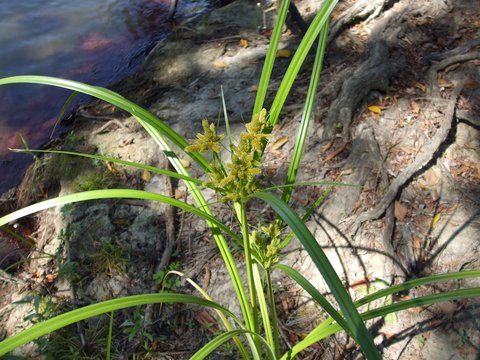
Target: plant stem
(273, 314)
(242, 218)
(109, 336)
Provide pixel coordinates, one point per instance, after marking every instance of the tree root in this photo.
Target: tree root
(373, 74)
(455, 59)
(362, 10)
(170, 244)
(417, 165)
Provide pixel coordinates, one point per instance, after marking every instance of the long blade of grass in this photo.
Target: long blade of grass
(311, 209)
(270, 58)
(64, 108)
(114, 99)
(297, 61)
(273, 312)
(223, 338)
(307, 113)
(136, 165)
(325, 330)
(114, 194)
(227, 121)
(319, 331)
(71, 317)
(355, 324)
(262, 303)
(307, 183)
(109, 336)
(417, 282)
(314, 293)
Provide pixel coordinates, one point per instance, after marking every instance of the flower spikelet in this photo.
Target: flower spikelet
(209, 140)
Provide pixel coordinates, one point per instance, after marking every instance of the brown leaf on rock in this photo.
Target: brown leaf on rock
(205, 319)
(415, 107)
(375, 109)
(400, 211)
(146, 176)
(326, 147)
(284, 53)
(219, 64)
(431, 178)
(50, 278)
(244, 43)
(279, 143)
(179, 194)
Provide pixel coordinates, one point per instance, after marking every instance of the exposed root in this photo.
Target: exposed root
(459, 50)
(455, 59)
(362, 10)
(417, 165)
(169, 244)
(373, 74)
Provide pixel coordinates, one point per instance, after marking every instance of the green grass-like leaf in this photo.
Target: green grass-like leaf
(326, 329)
(114, 99)
(307, 114)
(136, 165)
(270, 58)
(223, 338)
(355, 324)
(298, 59)
(103, 307)
(114, 194)
(323, 330)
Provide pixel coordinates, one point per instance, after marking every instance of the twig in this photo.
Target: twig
(169, 244)
(108, 124)
(74, 299)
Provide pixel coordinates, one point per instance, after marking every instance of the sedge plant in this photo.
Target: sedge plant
(255, 331)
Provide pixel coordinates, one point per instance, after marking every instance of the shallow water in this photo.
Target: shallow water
(94, 41)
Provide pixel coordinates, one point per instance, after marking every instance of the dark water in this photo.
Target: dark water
(94, 41)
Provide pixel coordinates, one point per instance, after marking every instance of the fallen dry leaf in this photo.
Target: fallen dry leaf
(327, 146)
(220, 64)
(471, 84)
(431, 178)
(375, 109)
(421, 86)
(435, 220)
(284, 53)
(336, 152)
(185, 163)
(244, 43)
(205, 319)
(415, 107)
(50, 278)
(179, 194)
(447, 308)
(278, 144)
(254, 88)
(400, 211)
(417, 242)
(146, 176)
